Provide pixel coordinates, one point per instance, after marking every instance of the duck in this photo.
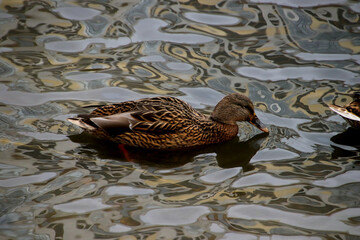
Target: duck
(168, 123)
(350, 112)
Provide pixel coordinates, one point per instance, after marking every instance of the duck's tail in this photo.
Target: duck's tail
(84, 123)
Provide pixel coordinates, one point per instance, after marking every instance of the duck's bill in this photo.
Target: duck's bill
(257, 123)
(344, 113)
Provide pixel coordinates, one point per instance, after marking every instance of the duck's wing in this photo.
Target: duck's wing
(160, 120)
(345, 112)
(120, 122)
(156, 115)
(155, 103)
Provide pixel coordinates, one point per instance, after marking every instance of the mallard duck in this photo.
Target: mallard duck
(350, 112)
(168, 122)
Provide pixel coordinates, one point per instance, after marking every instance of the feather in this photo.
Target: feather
(350, 112)
(164, 122)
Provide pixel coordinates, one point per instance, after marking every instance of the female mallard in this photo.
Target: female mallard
(350, 112)
(168, 122)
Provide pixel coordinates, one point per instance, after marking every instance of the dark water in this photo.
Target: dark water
(292, 58)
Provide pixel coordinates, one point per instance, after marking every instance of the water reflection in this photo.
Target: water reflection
(350, 137)
(77, 13)
(304, 73)
(233, 153)
(292, 58)
(346, 144)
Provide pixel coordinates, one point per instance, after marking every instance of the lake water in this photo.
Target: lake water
(292, 58)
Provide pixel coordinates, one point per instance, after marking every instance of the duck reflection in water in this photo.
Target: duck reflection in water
(233, 153)
(351, 137)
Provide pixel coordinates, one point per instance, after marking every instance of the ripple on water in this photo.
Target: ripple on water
(333, 222)
(119, 228)
(79, 76)
(220, 175)
(245, 236)
(297, 3)
(179, 66)
(327, 57)
(82, 206)
(6, 69)
(35, 178)
(351, 176)
(73, 46)
(304, 73)
(262, 179)
(77, 13)
(127, 191)
(152, 58)
(107, 94)
(212, 19)
(148, 30)
(61, 58)
(174, 216)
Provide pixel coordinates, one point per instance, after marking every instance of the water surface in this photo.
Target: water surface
(292, 58)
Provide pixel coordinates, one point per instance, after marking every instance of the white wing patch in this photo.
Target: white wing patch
(119, 120)
(344, 113)
(80, 123)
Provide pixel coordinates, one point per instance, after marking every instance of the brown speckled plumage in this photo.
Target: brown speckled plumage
(350, 112)
(168, 122)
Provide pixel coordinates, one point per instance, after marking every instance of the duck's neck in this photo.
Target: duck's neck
(220, 132)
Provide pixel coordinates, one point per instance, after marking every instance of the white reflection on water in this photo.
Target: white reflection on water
(197, 97)
(174, 216)
(271, 154)
(327, 57)
(244, 236)
(5, 49)
(145, 191)
(220, 175)
(4, 15)
(333, 222)
(201, 97)
(32, 99)
(117, 228)
(36, 178)
(300, 3)
(262, 179)
(145, 30)
(148, 29)
(60, 181)
(45, 136)
(351, 176)
(78, 76)
(127, 191)
(217, 228)
(82, 206)
(77, 13)
(211, 19)
(310, 3)
(80, 45)
(306, 141)
(304, 73)
(153, 58)
(179, 66)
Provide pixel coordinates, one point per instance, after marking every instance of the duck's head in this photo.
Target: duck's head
(234, 108)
